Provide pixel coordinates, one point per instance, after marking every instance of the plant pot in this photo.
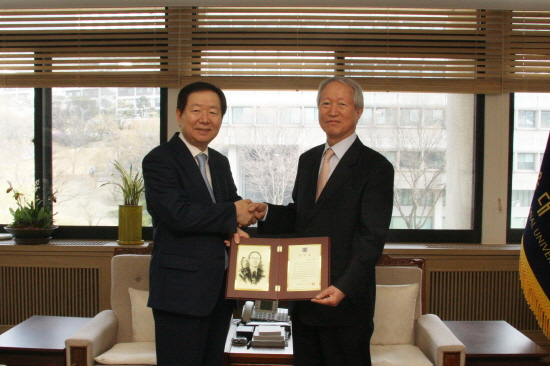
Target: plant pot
(30, 235)
(129, 224)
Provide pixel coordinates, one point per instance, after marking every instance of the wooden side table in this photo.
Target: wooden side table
(495, 343)
(242, 356)
(38, 341)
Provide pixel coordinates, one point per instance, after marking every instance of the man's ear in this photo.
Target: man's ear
(358, 113)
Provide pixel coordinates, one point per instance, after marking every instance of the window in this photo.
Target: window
(545, 119)
(410, 160)
(433, 117)
(310, 115)
(528, 149)
(366, 117)
(17, 148)
(410, 116)
(391, 156)
(266, 115)
(435, 160)
(264, 153)
(386, 116)
(242, 115)
(526, 161)
(291, 115)
(522, 198)
(526, 119)
(88, 134)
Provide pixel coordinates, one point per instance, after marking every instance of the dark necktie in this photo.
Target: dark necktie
(201, 158)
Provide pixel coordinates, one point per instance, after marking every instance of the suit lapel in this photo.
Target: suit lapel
(339, 176)
(312, 175)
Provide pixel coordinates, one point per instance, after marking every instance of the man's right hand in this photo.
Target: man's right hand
(244, 216)
(258, 209)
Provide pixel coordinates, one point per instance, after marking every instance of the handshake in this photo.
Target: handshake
(248, 212)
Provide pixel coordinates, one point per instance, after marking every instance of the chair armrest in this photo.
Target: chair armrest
(438, 343)
(94, 338)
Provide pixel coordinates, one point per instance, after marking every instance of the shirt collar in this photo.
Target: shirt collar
(341, 147)
(194, 150)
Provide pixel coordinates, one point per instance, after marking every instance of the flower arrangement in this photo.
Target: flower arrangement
(132, 185)
(31, 214)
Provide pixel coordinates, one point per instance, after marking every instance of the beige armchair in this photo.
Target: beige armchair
(402, 337)
(115, 327)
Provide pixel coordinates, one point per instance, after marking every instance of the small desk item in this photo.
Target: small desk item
(496, 343)
(242, 355)
(278, 269)
(38, 341)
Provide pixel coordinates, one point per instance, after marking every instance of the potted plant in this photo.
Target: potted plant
(32, 220)
(130, 213)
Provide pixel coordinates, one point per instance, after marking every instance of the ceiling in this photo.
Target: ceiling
(443, 4)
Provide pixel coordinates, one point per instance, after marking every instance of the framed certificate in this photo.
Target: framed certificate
(278, 269)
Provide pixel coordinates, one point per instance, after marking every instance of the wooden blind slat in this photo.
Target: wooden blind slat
(463, 50)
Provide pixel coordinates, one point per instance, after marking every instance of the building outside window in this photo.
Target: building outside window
(264, 151)
(529, 143)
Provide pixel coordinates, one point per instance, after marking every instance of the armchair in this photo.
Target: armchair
(110, 328)
(404, 335)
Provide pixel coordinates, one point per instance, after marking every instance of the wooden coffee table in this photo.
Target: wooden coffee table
(496, 343)
(241, 355)
(38, 341)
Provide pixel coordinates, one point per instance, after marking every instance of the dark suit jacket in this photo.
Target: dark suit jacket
(354, 210)
(188, 260)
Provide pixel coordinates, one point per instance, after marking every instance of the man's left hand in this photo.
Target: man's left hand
(330, 296)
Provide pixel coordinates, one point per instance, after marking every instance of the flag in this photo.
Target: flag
(534, 260)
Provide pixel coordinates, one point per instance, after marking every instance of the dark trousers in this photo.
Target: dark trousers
(331, 345)
(190, 340)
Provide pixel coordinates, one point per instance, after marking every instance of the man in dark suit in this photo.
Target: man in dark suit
(353, 209)
(195, 209)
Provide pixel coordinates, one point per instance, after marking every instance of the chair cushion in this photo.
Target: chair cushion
(394, 314)
(143, 325)
(398, 355)
(134, 353)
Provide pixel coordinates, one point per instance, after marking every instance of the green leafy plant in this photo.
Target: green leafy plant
(131, 184)
(31, 214)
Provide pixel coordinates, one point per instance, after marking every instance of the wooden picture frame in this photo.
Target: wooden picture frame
(278, 269)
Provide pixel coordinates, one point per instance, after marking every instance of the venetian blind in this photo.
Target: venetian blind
(526, 51)
(82, 47)
(470, 51)
(421, 50)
